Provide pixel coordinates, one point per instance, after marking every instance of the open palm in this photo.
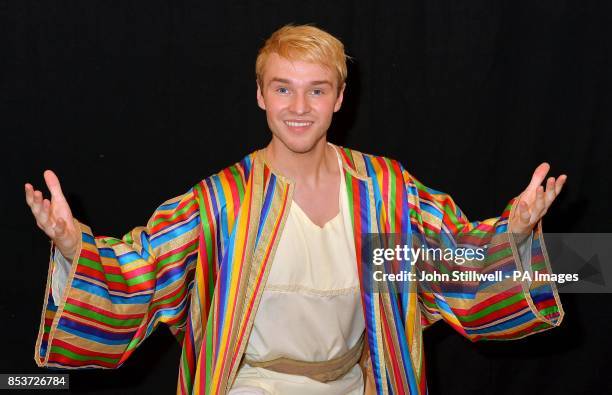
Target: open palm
(54, 216)
(534, 201)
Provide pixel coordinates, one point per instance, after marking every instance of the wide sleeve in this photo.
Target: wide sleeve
(495, 305)
(117, 291)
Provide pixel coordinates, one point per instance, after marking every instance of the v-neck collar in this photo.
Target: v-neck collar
(346, 166)
(295, 205)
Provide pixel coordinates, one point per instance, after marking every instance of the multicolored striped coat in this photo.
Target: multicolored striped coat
(201, 263)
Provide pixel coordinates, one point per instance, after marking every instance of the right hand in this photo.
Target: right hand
(54, 217)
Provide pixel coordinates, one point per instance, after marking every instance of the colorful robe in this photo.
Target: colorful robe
(201, 262)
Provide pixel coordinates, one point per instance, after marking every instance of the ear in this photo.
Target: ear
(260, 99)
(340, 98)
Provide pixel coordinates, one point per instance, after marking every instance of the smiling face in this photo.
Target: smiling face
(299, 99)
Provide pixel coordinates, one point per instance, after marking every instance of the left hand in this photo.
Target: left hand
(534, 201)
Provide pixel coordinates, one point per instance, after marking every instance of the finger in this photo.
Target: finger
(53, 184)
(29, 194)
(538, 175)
(44, 214)
(36, 202)
(550, 194)
(560, 182)
(539, 203)
(38, 197)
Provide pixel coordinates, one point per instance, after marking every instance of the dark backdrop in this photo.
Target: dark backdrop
(133, 102)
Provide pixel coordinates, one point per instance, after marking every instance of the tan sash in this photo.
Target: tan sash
(322, 371)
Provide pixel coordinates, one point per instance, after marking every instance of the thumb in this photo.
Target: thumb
(53, 184)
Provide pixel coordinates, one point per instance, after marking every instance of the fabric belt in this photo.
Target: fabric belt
(322, 371)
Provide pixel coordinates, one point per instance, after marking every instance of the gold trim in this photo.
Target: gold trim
(517, 260)
(60, 307)
(360, 172)
(257, 257)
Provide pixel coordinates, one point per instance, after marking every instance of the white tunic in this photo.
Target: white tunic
(310, 309)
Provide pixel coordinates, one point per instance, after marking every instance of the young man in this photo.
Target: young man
(259, 269)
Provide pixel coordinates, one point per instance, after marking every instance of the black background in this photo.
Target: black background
(133, 102)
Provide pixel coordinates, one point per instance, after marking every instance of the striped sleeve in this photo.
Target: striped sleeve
(493, 307)
(119, 290)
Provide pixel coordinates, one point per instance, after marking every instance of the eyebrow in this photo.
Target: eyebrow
(286, 81)
(322, 82)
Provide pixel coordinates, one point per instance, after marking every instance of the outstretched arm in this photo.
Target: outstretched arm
(493, 310)
(118, 289)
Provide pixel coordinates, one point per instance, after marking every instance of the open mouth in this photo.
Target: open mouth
(298, 124)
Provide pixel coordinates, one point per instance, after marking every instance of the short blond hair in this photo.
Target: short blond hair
(305, 43)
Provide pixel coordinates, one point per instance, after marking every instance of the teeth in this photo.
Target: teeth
(298, 124)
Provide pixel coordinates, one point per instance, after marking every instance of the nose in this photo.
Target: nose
(299, 104)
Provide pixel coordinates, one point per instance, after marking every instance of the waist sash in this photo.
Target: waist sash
(322, 371)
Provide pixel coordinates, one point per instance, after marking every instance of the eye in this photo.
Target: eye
(282, 90)
(317, 92)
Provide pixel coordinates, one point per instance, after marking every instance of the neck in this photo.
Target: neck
(302, 167)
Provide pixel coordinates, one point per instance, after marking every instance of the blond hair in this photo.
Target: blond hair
(305, 43)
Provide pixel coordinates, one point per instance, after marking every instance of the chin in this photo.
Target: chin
(299, 145)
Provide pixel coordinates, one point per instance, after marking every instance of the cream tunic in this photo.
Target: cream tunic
(310, 309)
